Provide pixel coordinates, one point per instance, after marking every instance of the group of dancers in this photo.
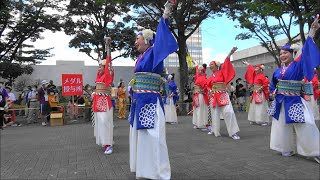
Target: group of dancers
(293, 89)
(147, 137)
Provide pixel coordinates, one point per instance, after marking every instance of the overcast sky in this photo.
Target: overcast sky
(218, 37)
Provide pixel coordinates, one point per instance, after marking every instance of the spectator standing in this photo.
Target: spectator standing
(53, 100)
(51, 87)
(129, 95)
(34, 104)
(25, 95)
(240, 94)
(88, 101)
(80, 105)
(232, 91)
(3, 99)
(10, 101)
(44, 102)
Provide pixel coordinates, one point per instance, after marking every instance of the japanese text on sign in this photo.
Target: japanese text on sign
(72, 84)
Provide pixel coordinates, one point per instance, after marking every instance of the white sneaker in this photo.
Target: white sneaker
(251, 123)
(287, 154)
(205, 130)
(108, 150)
(210, 133)
(44, 124)
(264, 124)
(195, 127)
(235, 137)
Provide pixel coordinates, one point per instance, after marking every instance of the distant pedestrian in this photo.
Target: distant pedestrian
(10, 102)
(44, 103)
(240, 94)
(34, 105)
(3, 102)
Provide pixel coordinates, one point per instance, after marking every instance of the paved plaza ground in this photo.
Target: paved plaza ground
(70, 152)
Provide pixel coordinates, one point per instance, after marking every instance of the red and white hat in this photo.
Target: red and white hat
(261, 66)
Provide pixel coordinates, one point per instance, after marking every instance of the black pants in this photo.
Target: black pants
(1, 117)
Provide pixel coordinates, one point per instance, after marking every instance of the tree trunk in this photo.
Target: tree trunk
(183, 70)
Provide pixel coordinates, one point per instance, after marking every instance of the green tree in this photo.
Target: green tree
(21, 24)
(186, 19)
(90, 21)
(266, 20)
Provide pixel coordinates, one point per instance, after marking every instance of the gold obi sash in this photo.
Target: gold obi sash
(219, 87)
(256, 87)
(198, 89)
(101, 89)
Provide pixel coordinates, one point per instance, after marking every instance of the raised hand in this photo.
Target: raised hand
(314, 26)
(234, 49)
(316, 23)
(245, 62)
(168, 8)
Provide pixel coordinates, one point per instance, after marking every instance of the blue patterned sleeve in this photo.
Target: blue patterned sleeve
(165, 43)
(273, 82)
(310, 58)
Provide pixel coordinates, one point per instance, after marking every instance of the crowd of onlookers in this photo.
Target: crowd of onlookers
(36, 103)
(40, 100)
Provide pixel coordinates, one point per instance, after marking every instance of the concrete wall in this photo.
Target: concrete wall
(53, 72)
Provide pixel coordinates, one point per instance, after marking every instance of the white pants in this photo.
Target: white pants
(148, 149)
(229, 118)
(258, 112)
(170, 111)
(200, 114)
(103, 129)
(306, 142)
(315, 107)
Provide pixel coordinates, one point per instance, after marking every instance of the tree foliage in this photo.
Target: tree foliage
(90, 21)
(186, 18)
(21, 24)
(268, 19)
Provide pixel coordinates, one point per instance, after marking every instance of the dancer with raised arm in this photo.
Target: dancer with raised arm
(171, 100)
(148, 147)
(289, 110)
(220, 102)
(102, 105)
(259, 103)
(200, 98)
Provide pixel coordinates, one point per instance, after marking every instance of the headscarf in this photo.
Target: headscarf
(148, 35)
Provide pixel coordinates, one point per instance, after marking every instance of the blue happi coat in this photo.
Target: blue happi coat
(144, 104)
(297, 70)
(172, 89)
